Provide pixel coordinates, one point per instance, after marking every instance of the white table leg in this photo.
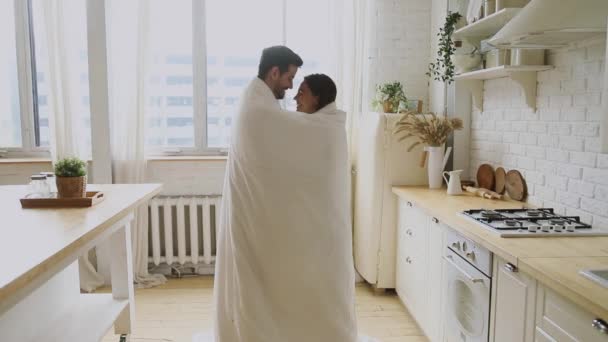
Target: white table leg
(122, 277)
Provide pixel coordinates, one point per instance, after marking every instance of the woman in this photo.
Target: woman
(315, 92)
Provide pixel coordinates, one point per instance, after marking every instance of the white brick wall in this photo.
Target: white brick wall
(400, 46)
(556, 147)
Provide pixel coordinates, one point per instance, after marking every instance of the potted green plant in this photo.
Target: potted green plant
(389, 97)
(443, 68)
(70, 174)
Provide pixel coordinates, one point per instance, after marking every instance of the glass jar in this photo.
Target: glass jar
(38, 188)
(51, 182)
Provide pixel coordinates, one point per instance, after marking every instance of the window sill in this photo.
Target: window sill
(187, 158)
(5, 160)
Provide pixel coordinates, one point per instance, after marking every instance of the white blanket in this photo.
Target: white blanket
(284, 269)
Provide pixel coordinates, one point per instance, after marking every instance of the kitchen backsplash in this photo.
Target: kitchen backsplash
(556, 147)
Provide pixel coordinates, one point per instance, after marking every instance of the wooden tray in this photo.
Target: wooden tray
(93, 197)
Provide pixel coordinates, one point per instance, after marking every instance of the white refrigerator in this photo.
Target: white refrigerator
(382, 162)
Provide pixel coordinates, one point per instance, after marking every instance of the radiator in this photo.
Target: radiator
(183, 229)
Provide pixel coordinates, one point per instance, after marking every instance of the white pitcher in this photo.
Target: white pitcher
(454, 187)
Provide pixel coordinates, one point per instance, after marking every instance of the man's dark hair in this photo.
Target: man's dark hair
(322, 86)
(280, 56)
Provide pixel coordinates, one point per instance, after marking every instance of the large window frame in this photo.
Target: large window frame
(28, 101)
(28, 97)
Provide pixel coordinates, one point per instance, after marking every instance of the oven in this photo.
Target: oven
(469, 270)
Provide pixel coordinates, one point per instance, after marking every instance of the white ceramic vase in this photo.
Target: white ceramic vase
(435, 165)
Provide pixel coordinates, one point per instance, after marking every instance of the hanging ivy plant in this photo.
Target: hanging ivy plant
(443, 69)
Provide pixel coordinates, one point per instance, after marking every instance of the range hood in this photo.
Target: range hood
(552, 23)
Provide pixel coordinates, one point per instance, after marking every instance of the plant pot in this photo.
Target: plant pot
(387, 106)
(71, 187)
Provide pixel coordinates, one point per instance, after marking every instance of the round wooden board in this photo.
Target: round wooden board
(516, 185)
(485, 176)
(499, 179)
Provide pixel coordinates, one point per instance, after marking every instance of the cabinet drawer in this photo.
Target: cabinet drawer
(559, 319)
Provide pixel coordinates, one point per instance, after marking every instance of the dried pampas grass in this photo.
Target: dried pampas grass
(429, 129)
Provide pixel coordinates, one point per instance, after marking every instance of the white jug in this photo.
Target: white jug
(454, 187)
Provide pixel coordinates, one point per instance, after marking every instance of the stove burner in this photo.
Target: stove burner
(534, 213)
(489, 213)
(512, 223)
(557, 221)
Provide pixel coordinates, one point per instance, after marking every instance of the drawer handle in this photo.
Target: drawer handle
(409, 204)
(408, 260)
(600, 325)
(510, 267)
(435, 220)
(408, 232)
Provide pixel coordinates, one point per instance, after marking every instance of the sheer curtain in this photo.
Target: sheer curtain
(127, 29)
(61, 21)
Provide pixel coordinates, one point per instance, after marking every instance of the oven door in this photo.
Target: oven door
(468, 301)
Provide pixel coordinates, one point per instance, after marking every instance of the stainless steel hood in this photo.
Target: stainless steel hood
(553, 23)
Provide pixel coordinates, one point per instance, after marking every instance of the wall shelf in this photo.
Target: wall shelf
(524, 76)
(485, 27)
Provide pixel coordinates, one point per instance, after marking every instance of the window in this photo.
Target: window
(223, 57)
(200, 57)
(26, 95)
(10, 112)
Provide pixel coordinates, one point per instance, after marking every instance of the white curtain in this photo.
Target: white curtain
(61, 21)
(127, 29)
(350, 37)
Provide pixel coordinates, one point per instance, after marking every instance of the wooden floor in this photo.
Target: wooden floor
(182, 307)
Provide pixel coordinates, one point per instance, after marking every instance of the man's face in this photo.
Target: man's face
(282, 82)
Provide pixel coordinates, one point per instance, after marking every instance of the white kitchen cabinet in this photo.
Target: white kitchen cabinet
(558, 319)
(419, 271)
(513, 302)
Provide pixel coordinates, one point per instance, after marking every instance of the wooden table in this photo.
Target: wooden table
(40, 297)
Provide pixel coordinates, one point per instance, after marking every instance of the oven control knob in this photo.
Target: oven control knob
(545, 229)
(558, 228)
(532, 228)
(471, 256)
(464, 246)
(570, 228)
(456, 245)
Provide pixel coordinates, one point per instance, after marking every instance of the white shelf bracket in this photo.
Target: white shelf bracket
(527, 83)
(475, 87)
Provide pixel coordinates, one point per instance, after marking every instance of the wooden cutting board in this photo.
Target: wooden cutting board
(499, 180)
(485, 176)
(516, 185)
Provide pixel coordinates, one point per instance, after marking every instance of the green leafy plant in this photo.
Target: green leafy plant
(389, 97)
(443, 68)
(70, 167)
(433, 131)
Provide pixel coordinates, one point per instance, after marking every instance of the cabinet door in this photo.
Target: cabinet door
(561, 320)
(514, 304)
(436, 281)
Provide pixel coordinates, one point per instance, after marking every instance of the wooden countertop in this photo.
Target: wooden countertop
(554, 261)
(34, 240)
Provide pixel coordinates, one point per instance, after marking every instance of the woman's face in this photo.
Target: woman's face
(307, 102)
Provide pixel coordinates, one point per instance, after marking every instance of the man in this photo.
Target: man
(284, 269)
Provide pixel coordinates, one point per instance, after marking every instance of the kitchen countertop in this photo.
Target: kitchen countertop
(554, 261)
(35, 240)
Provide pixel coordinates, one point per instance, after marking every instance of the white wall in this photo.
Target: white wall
(399, 46)
(557, 147)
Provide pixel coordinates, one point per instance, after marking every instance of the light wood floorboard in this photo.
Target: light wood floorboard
(182, 307)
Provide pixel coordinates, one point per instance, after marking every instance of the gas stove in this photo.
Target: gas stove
(532, 223)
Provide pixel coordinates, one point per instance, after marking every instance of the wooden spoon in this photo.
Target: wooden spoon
(516, 185)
